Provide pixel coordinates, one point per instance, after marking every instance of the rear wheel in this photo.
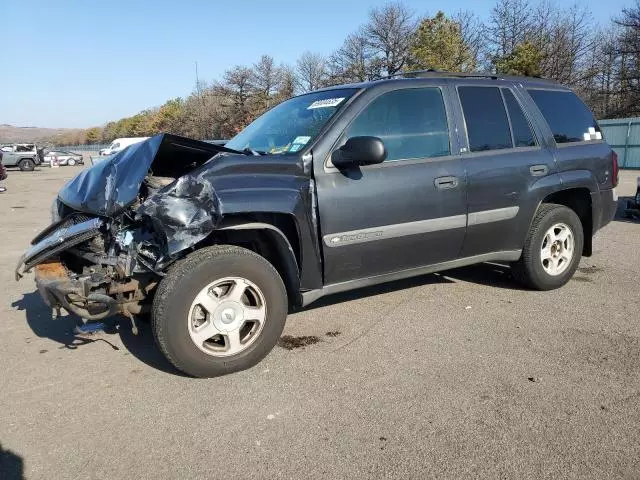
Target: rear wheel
(26, 165)
(552, 250)
(220, 310)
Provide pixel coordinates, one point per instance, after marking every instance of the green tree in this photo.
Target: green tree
(525, 59)
(438, 43)
(93, 135)
(168, 117)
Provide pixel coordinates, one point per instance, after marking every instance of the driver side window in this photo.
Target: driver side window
(412, 123)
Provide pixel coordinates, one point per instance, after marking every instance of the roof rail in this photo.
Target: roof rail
(433, 73)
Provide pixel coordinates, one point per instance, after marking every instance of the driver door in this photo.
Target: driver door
(410, 210)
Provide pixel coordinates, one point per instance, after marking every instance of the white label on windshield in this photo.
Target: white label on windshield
(327, 102)
(301, 140)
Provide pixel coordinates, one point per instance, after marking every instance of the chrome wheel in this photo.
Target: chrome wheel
(557, 249)
(227, 316)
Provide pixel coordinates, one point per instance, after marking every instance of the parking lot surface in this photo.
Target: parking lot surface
(456, 375)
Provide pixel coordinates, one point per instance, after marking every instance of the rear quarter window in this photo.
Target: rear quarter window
(568, 117)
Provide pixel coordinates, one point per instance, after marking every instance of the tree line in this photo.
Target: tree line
(520, 37)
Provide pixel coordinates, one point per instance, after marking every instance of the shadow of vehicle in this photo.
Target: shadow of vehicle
(495, 275)
(11, 465)
(490, 274)
(61, 330)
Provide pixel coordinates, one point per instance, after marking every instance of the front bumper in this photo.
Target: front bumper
(56, 239)
(92, 296)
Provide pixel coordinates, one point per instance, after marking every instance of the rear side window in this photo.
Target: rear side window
(411, 122)
(569, 119)
(486, 118)
(522, 134)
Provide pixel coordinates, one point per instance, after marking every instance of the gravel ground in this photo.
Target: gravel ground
(457, 375)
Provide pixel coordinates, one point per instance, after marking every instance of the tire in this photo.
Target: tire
(176, 311)
(548, 269)
(26, 165)
(71, 162)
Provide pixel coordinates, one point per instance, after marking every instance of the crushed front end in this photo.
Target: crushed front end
(118, 226)
(95, 267)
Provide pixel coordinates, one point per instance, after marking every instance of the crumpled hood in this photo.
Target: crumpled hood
(112, 184)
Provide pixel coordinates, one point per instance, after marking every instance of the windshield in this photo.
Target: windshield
(288, 127)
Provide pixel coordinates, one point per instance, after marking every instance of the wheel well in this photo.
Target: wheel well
(275, 241)
(578, 200)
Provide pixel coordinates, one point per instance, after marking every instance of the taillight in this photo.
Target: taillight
(614, 169)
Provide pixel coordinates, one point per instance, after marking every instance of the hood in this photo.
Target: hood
(113, 184)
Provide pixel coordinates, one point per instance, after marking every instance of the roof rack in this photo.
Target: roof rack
(433, 73)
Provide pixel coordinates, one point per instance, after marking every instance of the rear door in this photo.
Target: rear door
(406, 212)
(504, 158)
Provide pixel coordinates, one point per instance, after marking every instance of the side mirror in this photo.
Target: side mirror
(358, 151)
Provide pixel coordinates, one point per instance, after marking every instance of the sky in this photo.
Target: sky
(79, 63)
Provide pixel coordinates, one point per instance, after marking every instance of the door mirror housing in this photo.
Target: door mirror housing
(359, 151)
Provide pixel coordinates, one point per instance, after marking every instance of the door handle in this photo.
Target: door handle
(538, 170)
(446, 182)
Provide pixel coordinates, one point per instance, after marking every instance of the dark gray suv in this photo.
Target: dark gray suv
(329, 191)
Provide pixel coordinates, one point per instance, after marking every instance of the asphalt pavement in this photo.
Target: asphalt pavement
(462, 374)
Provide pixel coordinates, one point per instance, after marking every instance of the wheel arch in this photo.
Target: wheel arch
(273, 236)
(579, 200)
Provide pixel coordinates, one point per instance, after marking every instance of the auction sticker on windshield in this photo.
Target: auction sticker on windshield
(327, 102)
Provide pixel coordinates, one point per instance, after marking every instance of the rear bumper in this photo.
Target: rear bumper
(605, 203)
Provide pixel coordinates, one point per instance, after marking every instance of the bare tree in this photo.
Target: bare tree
(310, 71)
(565, 38)
(352, 62)
(472, 30)
(267, 77)
(509, 25)
(628, 50)
(388, 33)
(287, 86)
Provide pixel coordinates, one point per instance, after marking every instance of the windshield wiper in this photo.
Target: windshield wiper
(250, 151)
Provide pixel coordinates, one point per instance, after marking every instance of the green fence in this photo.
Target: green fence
(623, 134)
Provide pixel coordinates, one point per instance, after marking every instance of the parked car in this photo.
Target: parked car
(24, 156)
(64, 157)
(329, 191)
(120, 144)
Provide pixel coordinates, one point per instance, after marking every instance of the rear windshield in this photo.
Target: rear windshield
(568, 117)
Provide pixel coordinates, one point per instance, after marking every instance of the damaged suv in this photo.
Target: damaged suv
(329, 191)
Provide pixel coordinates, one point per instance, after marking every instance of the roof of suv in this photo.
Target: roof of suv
(435, 74)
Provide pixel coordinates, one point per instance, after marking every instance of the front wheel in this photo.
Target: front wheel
(218, 311)
(552, 249)
(71, 162)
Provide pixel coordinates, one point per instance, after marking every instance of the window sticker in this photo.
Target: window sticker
(327, 102)
(301, 140)
(295, 147)
(592, 135)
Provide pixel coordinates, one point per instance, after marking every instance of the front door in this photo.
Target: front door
(406, 212)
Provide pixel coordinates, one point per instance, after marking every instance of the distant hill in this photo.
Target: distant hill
(11, 134)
